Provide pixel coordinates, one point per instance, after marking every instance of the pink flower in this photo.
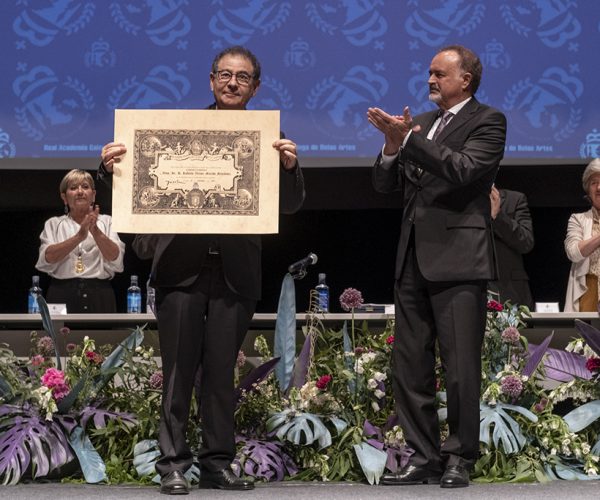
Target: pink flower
(511, 335)
(351, 299)
(53, 377)
(593, 364)
(60, 391)
(494, 305)
(65, 330)
(323, 382)
(156, 380)
(389, 340)
(55, 381)
(512, 386)
(94, 357)
(37, 360)
(71, 347)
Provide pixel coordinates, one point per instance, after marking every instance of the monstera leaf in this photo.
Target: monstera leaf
(145, 455)
(266, 460)
(561, 470)
(101, 417)
(27, 439)
(303, 428)
(579, 418)
(506, 429)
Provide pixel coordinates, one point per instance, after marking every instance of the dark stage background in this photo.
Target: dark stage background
(351, 228)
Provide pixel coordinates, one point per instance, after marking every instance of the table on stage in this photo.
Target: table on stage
(112, 328)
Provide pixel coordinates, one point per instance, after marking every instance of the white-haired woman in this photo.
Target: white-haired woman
(80, 251)
(582, 245)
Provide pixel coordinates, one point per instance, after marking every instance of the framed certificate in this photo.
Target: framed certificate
(196, 171)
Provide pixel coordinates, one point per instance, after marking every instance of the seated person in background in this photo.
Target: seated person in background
(80, 251)
(513, 237)
(582, 245)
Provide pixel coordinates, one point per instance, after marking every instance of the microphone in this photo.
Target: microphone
(300, 266)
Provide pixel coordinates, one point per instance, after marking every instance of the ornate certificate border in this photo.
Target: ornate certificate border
(196, 171)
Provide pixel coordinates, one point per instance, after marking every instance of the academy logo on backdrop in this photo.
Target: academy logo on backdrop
(51, 107)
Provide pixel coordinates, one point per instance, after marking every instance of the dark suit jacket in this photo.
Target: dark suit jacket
(513, 237)
(448, 203)
(177, 259)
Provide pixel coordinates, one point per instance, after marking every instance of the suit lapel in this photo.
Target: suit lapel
(464, 115)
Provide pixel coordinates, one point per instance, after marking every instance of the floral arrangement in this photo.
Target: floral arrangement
(332, 419)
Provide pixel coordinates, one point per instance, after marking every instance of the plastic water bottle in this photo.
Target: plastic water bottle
(134, 296)
(322, 294)
(34, 292)
(150, 297)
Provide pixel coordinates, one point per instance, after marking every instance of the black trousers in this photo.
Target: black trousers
(200, 327)
(453, 313)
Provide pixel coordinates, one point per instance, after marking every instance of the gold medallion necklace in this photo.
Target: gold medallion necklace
(79, 267)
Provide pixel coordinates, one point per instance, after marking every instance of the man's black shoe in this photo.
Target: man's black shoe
(224, 480)
(174, 483)
(455, 476)
(411, 474)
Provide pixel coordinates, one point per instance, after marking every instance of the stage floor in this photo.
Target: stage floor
(302, 490)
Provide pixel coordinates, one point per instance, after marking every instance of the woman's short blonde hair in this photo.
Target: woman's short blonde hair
(78, 176)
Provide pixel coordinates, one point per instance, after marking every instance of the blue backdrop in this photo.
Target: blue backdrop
(67, 64)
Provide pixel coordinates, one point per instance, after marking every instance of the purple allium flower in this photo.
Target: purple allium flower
(71, 347)
(512, 386)
(511, 335)
(241, 359)
(350, 299)
(65, 330)
(156, 380)
(45, 346)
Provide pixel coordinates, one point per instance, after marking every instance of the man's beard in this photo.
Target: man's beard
(435, 97)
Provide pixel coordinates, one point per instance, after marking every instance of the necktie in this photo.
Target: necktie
(443, 122)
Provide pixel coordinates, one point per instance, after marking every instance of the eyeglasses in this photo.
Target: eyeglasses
(242, 77)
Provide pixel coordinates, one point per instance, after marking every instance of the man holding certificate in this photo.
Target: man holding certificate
(207, 287)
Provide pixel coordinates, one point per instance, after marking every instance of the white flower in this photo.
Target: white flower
(553, 451)
(372, 383)
(359, 368)
(380, 376)
(379, 394)
(375, 406)
(585, 448)
(138, 349)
